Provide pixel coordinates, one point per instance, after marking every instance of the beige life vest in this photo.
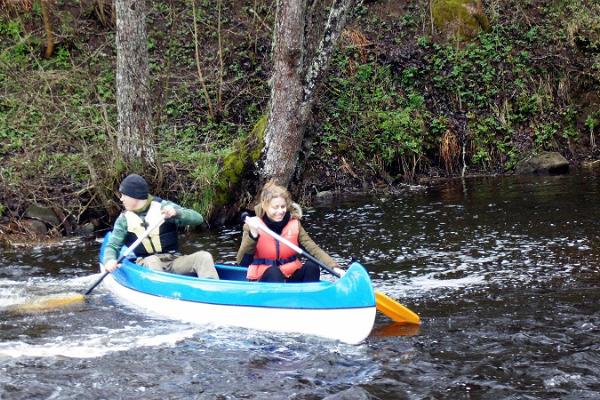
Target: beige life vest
(137, 226)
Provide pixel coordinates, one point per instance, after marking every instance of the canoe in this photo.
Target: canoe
(343, 310)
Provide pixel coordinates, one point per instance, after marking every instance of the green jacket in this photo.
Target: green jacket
(184, 217)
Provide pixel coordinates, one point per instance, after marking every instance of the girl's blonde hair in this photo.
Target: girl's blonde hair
(272, 190)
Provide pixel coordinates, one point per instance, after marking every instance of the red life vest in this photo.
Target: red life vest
(270, 253)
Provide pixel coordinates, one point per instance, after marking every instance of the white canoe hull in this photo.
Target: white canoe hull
(346, 325)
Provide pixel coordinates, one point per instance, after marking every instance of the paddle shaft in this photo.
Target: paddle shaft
(298, 250)
(128, 251)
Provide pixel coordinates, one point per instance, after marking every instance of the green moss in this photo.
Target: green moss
(214, 176)
(459, 18)
(258, 134)
(244, 153)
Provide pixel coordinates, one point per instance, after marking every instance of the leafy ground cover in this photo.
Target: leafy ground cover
(402, 101)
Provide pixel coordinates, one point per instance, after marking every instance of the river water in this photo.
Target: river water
(504, 273)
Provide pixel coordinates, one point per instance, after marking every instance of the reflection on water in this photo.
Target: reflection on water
(394, 329)
(504, 273)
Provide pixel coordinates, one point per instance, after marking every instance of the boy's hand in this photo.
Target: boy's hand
(168, 212)
(111, 265)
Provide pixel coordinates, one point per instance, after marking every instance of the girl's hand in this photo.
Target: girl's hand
(254, 224)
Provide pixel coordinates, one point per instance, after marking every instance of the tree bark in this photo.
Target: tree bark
(285, 132)
(48, 28)
(294, 81)
(135, 136)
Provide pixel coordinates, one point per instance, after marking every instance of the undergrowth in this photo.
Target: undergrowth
(400, 100)
(449, 106)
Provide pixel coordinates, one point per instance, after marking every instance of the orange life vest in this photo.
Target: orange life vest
(270, 253)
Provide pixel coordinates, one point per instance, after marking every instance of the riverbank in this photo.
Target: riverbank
(39, 231)
(405, 102)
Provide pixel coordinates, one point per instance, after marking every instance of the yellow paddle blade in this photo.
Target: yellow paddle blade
(47, 303)
(396, 311)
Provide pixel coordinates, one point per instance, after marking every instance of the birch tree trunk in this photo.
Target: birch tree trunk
(294, 80)
(134, 138)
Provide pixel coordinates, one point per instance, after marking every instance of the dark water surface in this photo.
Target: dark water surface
(504, 272)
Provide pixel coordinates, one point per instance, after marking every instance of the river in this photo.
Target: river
(504, 273)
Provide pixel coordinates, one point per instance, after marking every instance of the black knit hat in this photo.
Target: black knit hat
(134, 186)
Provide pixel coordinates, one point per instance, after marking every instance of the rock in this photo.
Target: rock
(326, 194)
(34, 227)
(86, 229)
(354, 393)
(43, 214)
(591, 164)
(462, 19)
(545, 163)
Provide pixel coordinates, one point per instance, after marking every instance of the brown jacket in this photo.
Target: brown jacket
(248, 245)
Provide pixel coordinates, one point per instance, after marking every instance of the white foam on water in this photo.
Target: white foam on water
(428, 282)
(10, 296)
(95, 345)
(562, 380)
(14, 292)
(421, 285)
(80, 283)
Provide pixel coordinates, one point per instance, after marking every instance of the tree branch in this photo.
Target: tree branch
(211, 111)
(335, 24)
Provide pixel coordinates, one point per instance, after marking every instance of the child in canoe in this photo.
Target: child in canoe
(266, 258)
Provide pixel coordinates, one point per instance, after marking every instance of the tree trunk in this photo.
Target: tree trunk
(48, 28)
(135, 138)
(294, 81)
(284, 133)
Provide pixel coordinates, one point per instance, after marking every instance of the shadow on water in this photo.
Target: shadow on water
(504, 273)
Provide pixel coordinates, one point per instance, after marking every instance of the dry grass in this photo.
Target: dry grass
(449, 151)
(10, 6)
(358, 40)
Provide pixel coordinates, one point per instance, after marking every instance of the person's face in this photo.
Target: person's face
(131, 204)
(276, 209)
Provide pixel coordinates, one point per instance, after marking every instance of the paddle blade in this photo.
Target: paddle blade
(47, 303)
(396, 311)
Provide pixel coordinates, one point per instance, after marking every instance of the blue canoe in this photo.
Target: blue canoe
(342, 310)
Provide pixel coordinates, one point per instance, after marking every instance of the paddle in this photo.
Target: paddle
(386, 305)
(48, 302)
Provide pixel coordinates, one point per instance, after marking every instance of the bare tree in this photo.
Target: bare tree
(9, 6)
(297, 70)
(135, 136)
(46, 16)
